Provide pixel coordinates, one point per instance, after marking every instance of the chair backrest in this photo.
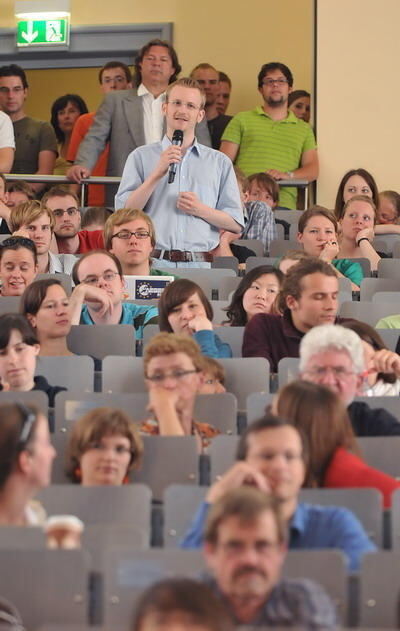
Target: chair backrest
(219, 309)
(65, 280)
(390, 336)
(389, 268)
(222, 455)
(100, 340)
(288, 369)
(232, 335)
(128, 572)
(129, 504)
(34, 397)
(279, 247)
(9, 304)
(253, 244)
(74, 372)
(395, 521)
(230, 284)
(369, 286)
(49, 585)
(123, 374)
(388, 241)
(21, 538)
(369, 312)
(256, 404)
(380, 590)
(389, 403)
(381, 452)
(365, 264)
(314, 564)
(396, 250)
(223, 262)
(180, 505)
(209, 279)
(256, 261)
(244, 375)
(168, 460)
(291, 216)
(366, 504)
(387, 296)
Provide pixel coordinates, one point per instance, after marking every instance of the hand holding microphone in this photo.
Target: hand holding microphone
(170, 158)
(177, 140)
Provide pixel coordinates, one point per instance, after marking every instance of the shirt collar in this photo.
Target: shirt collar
(290, 118)
(143, 91)
(195, 147)
(288, 327)
(298, 521)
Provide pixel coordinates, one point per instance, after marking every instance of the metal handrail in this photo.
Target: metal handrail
(97, 179)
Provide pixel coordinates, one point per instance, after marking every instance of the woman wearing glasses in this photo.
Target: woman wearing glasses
(18, 265)
(335, 459)
(26, 456)
(103, 448)
(19, 348)
(46, 305)
(99, 292)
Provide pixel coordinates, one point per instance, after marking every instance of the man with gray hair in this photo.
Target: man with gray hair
(332, 356)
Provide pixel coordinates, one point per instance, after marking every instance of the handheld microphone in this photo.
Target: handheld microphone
(177, 139)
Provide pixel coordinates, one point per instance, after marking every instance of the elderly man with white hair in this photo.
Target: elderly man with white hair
(332, 355)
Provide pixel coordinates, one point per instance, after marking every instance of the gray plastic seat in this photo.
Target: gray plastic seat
(288, 370)
(369, 312)
(49, 585)
(379, 590)
(65, 280)
(244, 375)
(209, 279)
(391, 404)
(180, 505)
(369, 286)
(222, 453)
(256, 404)
(232, 335)
(390, 337)
(389, 268)
(9, 304)
(381, 452)
(253, 244)
(279, 247)
(223, 262)
(395, 521)
(74, 372)
(100, 340)
(231, 284)
(256, 261)
(34, 397)
(123, 374)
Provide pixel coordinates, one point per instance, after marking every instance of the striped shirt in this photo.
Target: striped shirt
(267, 144)
(261, 224)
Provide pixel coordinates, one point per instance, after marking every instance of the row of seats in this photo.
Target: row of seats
(101, 584)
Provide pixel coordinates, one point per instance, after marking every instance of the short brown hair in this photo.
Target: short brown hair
(247, 504)
(21, 187)
(187, 82)
(316, 211)
(267, 183)
(95, 215)
(292, 284)
(214, 368)
(145, 49)
(358, 198)
(75, 269)
(60, 190)
(27, 212)
(92, 427)
(170, 343)
(295, 255)
(174, 295)
(123, 215)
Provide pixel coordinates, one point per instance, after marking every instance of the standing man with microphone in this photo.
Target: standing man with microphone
(189, 190)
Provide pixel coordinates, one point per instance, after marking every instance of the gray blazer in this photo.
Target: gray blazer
(119, 120)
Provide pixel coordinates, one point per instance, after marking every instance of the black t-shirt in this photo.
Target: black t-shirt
(216, 127)
(372, 422)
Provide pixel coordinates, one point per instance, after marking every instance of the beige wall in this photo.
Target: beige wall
(358, 92)
(234, 41)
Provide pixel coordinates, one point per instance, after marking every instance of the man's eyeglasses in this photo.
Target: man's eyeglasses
(71, 212)
(175, 374)
(339, 372)
(93, 280)
(271, 82)
(190, 106)
(126, 234)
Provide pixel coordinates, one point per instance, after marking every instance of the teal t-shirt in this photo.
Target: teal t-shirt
(351, 269)
(137, 315)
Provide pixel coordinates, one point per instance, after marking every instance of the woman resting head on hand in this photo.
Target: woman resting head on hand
(103, 448)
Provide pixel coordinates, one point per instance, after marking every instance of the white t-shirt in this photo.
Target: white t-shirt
(6, 131)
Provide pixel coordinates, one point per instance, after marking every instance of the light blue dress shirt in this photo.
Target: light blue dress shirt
(203, 171)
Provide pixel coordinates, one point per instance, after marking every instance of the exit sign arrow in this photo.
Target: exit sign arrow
(31, 35)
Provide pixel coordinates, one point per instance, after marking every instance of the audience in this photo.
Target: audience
(382, 365)
(173, 369)
(224, 93)
(99, 293)
(355, 182)
(95, 217)
(261, 196)
(4, 211)
(256, 293)
(388, 208)
(308, 297)
(19, 348)
(245, 547)
(357, 221)
(272, 455)
(129, 234)
(214, 376)
(208, 79)
(184, 308)
(299, 104)
(318, 234)
(65, 111)
(18, 265)
(180, 604)
(334, 456)
(64, 205)
(7, 143)
(26, 455)
(104, 447)
(46, 305)
(18, 192)
(35, 221)
(292, 257)
(333, 356)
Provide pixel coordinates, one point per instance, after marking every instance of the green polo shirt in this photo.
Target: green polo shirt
(267, 144)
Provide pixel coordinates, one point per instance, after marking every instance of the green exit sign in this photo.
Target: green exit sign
(43, 32)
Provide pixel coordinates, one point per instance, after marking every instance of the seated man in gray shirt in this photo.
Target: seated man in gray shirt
(189, 208)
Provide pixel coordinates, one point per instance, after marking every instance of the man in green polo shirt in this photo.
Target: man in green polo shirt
(270, 138)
